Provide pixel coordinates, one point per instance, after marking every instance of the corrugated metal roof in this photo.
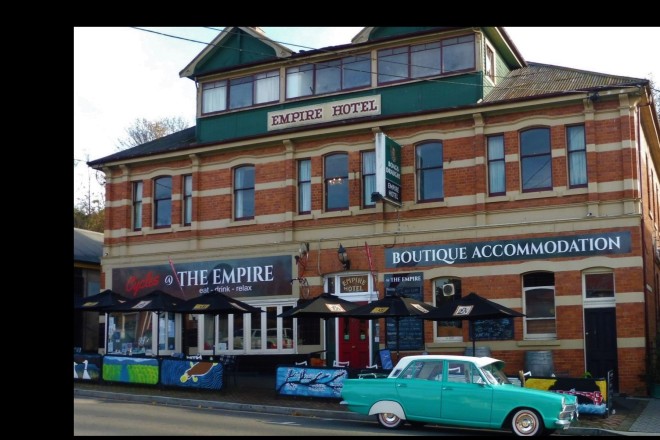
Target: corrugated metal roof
(544, 79)
(173, 142)
(87, 246)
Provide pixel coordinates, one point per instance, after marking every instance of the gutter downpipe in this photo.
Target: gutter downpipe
(647, 345)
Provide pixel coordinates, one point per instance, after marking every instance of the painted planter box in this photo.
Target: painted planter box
(310, 381)
(192, 374)
(594, 395)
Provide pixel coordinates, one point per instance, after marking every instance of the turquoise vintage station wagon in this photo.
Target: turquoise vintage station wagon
(461, 391)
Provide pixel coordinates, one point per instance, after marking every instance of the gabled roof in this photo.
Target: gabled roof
(537, 80)
(87, 246)
(173, 142)
(229, 42)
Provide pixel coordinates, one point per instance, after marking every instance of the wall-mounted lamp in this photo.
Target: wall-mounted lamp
(343, 257)
(376, 197)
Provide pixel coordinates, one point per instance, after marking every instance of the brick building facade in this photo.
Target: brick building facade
(535, 186)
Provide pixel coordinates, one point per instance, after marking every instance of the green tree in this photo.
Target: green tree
(142, 130)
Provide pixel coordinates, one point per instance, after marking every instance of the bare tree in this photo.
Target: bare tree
(143, 130)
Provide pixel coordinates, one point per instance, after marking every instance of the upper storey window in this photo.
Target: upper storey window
(428, 59)
(241, 92)
(328, 76)
(535, 159)
(163, 201)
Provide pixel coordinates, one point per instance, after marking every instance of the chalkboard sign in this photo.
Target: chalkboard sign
(411, 329)
(386, 359)
(492, 329)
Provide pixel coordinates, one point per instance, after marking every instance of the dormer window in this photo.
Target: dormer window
(328, 76)
(429, 59)
(241, 92)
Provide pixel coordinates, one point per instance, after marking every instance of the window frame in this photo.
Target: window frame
(528, 309)
(437, 284)
(421, 172)
(489, 64)
(186, 199)
(242, 191)
(332, 186)
(237, 83)
(368, 178)
(304, 186)
(571, 160)
(310, 74)
(493, 162)
(533, 155)
(160, 201)
(445, 45)
(138, 194)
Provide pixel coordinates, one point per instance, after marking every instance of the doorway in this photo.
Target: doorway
(600, 343)
(354, 342)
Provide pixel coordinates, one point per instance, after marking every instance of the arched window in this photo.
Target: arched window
(244, 192)
(336, 182)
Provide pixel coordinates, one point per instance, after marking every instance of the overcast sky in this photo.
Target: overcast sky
(122, 74)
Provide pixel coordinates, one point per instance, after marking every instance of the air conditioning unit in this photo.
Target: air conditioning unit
(448, 289)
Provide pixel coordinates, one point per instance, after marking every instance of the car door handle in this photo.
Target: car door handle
(447, 388)
(402, 385)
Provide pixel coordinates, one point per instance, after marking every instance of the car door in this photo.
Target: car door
(419, 389)
(465, 397)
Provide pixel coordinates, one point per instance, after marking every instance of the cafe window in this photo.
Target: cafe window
(134, 333)
(539, 305)
(447, 289)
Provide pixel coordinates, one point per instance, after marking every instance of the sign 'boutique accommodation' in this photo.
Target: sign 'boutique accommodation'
(432, 161)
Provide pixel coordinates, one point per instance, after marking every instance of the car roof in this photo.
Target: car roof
(479, 361)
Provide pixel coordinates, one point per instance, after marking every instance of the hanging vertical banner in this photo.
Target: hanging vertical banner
(388, 169)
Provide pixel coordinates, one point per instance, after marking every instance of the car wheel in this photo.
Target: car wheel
(389, 420)
(526, 423)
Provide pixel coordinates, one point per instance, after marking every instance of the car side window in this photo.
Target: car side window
(412, 371)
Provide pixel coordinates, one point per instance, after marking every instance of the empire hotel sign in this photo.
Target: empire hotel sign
(508, 250)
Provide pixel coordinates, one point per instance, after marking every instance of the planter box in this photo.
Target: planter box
(594, 395)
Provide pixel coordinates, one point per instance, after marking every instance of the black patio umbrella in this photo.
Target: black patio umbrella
(156, 301)
(216, 303)
(394, 306)
(323, 306)
(471, 308)
(99, 302)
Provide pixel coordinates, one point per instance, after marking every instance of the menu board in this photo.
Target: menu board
(492, 329)
(411, 329)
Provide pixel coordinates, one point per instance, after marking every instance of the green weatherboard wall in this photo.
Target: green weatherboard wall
(406, 98)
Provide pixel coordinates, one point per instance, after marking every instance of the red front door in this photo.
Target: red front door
(354, 342)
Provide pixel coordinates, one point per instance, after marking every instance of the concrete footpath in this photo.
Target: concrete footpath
(252, 392)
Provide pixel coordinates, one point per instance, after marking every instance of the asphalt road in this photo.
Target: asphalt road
(100, 417)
